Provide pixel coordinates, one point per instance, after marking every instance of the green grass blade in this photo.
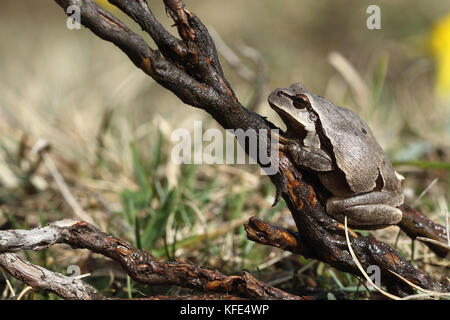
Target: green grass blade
(157, 225)
(379, 78)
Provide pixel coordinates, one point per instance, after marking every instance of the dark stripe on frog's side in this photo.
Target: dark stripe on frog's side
(362, 163)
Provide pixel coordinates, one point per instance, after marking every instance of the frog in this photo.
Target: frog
(336, 146)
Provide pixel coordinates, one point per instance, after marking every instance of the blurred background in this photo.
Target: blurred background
(109, 128)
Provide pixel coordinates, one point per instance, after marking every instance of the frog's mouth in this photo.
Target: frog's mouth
(299, 120)
(294, 129)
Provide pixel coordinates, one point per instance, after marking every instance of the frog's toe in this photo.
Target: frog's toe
(280, 186)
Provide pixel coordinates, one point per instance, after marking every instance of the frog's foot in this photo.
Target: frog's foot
(374, 210)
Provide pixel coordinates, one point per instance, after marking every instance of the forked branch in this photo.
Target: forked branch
(139, 264)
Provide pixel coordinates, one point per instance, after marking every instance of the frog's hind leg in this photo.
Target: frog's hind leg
(372, 210)
(357, 217)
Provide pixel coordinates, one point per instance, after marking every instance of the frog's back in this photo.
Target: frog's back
(357, 152)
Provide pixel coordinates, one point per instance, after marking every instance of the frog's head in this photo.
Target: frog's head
(294, 107)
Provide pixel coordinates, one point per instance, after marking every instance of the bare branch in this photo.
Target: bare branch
(40, 278)
(191, 29)
(415, 224)
(35, 239)
(172, 48)
(264, 233)
(139, 264)
(111, 29)
(373, 251)
(71, 288)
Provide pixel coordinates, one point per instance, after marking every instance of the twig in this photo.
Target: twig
(415, 224)
(435, 242)
(428, 293)
(35, 239)
(41, 278)
(232, 58)
(41, 147)
(139, 264)
(71, 288)
(264, 233)
(424, 192)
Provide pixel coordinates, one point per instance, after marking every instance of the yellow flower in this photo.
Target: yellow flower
(439, 44)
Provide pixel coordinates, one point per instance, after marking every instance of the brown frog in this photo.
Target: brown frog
(336, 145)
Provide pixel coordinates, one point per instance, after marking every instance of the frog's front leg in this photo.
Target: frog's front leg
(312, 158)
(371, 210)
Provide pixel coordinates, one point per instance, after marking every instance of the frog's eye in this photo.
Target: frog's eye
(301, 101)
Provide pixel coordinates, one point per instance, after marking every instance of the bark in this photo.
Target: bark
(139, 264)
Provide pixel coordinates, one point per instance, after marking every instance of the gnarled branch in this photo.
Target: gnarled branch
(139, 264)
(374, 252)
(68, 288)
